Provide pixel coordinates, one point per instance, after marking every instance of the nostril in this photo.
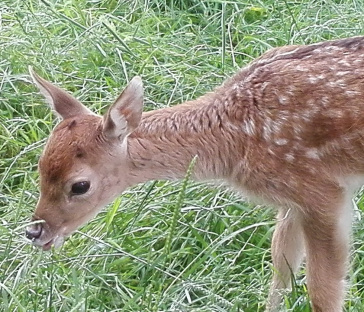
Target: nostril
(34, 231)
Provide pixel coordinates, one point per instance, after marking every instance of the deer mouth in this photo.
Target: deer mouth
(56, 241)
(48, 245)
(43, 237)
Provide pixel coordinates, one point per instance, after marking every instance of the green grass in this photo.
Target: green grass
(161, 246)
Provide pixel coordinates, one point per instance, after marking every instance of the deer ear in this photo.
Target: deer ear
(124, 115)
(64, 104)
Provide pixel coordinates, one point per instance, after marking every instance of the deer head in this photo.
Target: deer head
(83, 160)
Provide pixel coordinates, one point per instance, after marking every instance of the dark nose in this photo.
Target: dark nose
(34, 231)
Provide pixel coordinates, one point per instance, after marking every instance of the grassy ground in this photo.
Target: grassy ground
(219, 258)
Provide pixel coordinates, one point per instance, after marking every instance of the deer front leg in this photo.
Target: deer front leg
(287, 254)
(327, 240)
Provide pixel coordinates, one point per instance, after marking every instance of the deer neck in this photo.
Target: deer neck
(167, 140)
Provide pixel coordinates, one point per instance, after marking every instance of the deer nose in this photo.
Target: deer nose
(34, 231)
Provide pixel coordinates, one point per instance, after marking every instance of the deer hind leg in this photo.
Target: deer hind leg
(327, 240)
(287, 254)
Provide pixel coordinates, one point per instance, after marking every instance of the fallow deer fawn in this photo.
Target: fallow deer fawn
(287, 130)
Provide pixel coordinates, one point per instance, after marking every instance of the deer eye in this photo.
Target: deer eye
(80, 188)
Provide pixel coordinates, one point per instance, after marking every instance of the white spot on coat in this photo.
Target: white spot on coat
(312, 153)
(249, 126)
(281, 141)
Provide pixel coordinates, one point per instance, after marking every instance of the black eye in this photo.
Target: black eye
(80, 188)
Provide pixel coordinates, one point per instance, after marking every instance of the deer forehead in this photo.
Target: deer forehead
(73, 141)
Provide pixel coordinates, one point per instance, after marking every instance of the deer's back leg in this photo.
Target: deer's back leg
(287, 254)
(327, 234)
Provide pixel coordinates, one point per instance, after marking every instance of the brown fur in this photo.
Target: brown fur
(286, 130)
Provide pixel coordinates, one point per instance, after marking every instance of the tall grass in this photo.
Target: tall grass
(161, 246)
